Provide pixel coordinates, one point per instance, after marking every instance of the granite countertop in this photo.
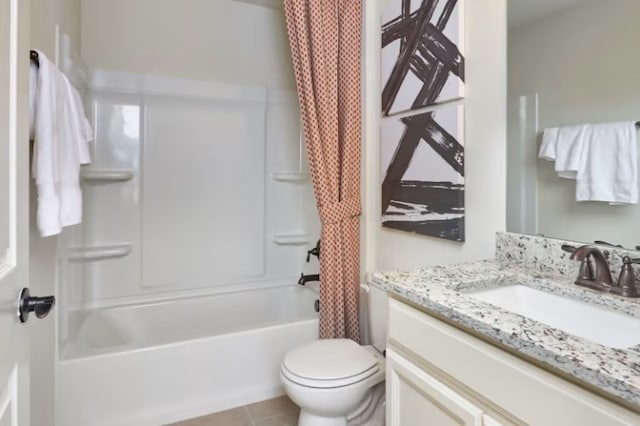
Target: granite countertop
(441, 290)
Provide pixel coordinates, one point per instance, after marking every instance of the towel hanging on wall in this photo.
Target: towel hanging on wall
(603, 158)
(61, 133)
(610, 164)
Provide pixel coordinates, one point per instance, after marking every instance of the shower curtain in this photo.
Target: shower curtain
(325, 38)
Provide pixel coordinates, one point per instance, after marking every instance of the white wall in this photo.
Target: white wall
(45, 14)
(583, 64)
(215, 40)
(485, 149)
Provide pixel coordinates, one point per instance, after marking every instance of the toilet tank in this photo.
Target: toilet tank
(378, 317)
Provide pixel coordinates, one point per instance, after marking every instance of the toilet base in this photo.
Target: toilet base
(308, 419)
(370, 413)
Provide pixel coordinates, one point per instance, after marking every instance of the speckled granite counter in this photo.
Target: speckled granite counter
(442, 290)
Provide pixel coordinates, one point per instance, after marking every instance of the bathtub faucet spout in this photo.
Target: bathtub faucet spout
(308, 278)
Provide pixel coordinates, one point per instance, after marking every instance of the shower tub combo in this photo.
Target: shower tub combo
(178, 295)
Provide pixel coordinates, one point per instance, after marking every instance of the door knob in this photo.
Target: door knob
(40, 305)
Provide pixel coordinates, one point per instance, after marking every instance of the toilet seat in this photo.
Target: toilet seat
(328, 384)
(329, 363)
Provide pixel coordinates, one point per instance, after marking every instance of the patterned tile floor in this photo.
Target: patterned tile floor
(274, 412)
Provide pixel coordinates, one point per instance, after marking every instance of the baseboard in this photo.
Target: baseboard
(203, 407)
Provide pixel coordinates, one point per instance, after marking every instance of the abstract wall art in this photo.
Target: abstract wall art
(423, 167)
(422, 54)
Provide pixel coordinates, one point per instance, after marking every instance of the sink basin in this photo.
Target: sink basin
(581, 319)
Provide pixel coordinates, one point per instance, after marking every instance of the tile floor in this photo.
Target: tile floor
(274, 412)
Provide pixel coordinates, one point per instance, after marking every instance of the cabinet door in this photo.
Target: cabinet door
(415, 398)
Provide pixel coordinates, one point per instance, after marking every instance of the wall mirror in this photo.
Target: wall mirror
(569, 62)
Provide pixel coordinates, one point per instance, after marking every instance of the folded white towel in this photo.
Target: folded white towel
(61, 133)
(564, 145)
(610, 164)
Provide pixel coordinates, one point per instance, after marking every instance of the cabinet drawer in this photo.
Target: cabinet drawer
(510, 384)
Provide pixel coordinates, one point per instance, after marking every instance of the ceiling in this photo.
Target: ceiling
(522, 11)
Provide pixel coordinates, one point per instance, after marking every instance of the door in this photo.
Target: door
(14, 212)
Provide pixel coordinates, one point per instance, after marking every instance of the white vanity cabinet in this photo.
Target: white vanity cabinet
(440, 375)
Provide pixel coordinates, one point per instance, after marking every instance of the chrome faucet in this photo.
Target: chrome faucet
(600, 279)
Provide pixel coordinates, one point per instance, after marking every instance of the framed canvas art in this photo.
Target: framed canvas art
(423, 168)
(422, 54)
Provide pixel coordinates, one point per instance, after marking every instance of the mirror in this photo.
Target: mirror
(569, 62)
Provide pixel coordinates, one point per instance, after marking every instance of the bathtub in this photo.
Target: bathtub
(156, 363)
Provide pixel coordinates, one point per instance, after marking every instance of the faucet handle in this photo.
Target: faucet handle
(627, 285)
(604, 243)
(314, 251)
(586, 271)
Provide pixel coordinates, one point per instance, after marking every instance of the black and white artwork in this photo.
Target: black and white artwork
(423, 168)
(422, 54)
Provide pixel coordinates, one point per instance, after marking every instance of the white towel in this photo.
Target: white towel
(83, 130)
(61, 133)
(33, 93)
(564, 145)
(609, 171)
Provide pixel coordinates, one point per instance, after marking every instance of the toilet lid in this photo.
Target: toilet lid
(331, 359)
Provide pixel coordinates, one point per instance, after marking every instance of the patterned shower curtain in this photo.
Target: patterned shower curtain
(325, 43)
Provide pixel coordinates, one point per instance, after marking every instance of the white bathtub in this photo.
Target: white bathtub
(155, 363)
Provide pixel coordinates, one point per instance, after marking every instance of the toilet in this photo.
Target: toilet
(337, 382)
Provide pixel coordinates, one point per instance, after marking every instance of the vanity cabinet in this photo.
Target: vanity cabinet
(438, 374)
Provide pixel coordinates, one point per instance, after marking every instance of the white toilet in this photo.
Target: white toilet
(337, 382)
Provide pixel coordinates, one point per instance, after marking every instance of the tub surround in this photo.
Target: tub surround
(539, 263)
